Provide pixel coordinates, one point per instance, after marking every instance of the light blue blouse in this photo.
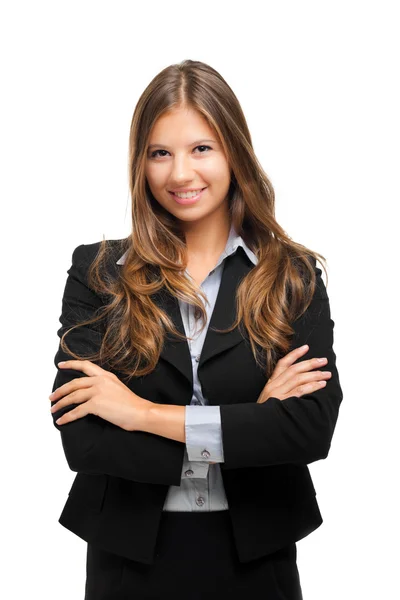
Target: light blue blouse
(202, 486)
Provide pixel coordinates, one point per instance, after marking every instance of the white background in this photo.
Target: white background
(318, 82)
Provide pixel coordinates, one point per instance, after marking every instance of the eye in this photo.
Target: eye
(209, 147)
(155, 153)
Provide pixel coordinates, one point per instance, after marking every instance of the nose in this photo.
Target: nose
(181, 171)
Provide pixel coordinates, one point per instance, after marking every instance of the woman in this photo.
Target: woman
(195, 390)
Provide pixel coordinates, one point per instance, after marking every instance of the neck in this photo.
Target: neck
(207, 239)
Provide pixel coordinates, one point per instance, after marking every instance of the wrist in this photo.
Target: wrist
(165, 420)
(144, 415)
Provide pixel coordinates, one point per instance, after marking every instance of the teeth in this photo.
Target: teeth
(187, 194)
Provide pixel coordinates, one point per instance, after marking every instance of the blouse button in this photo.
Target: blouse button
(197, 313)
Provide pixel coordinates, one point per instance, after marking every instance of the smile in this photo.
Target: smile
(190, 200)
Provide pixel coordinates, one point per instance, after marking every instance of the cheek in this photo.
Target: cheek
(156, 176)
(219, 182)
(217, 173)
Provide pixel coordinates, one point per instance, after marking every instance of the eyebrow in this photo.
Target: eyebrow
(192, 144)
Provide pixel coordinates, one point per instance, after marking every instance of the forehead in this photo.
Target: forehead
(179, 126)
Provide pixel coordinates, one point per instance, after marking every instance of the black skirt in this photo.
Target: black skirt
(195, 559)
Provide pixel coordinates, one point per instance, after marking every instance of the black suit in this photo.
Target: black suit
(123, 477)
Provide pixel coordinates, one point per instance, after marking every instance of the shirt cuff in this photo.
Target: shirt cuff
(203, 433)
(194, 469)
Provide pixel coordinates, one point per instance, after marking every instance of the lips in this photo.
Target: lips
(185, 191)
(187, 200)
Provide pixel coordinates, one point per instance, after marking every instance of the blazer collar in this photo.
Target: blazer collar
(233, 242)
(239, 260)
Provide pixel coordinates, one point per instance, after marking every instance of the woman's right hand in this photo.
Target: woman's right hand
(295, 380)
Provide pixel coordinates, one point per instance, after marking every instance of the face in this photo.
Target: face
(184, 153)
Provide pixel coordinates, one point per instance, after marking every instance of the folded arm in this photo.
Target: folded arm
(92, 444)
(297, 430)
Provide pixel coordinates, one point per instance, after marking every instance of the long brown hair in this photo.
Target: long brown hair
(270, 297)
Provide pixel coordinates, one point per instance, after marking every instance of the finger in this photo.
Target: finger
(294, 371)
(304, 366)
(287, 360)
(71, 386)
(294, 354)
(76, 413)
(308, 388)
(300, 367)
(76, 397)
(300, 379)
(308, 365)
(314, 378)
(302, 390)
(85, 366)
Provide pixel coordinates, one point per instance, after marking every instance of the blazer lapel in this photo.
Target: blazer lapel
(175, 351)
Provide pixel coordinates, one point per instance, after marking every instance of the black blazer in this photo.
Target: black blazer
(117, 496)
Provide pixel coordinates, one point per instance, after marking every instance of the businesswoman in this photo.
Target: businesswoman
(199, 376)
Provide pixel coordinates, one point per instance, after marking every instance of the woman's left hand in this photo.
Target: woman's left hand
(101, 394)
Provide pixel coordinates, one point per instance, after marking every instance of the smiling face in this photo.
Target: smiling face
(184, 153)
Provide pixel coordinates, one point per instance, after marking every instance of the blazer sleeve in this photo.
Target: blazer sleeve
(296, 430)
(92, 444)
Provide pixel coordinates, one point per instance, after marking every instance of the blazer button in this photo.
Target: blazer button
(205, 454)
(200, 501)
(189, 472)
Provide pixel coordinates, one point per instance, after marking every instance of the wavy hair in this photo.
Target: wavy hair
(269, 298)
